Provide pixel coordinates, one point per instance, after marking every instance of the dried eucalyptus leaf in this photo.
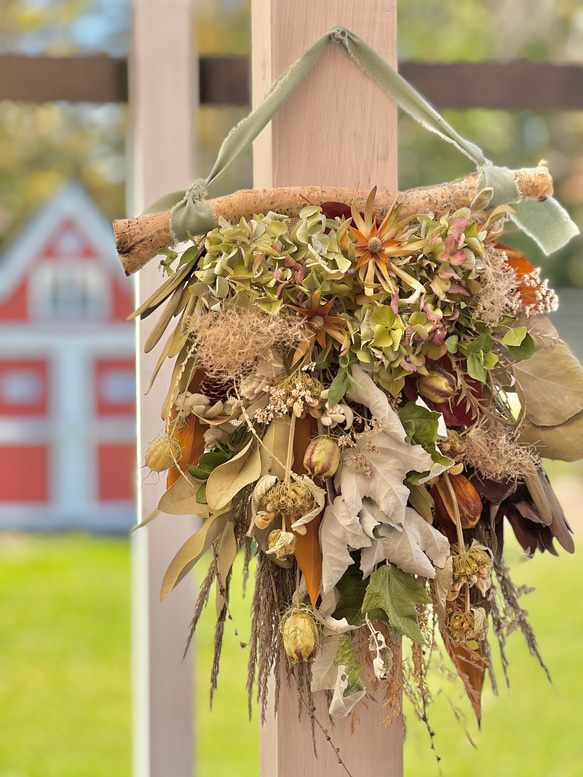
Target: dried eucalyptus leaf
(172, 308)
(226, 480)
(192, 550)
(563, 442)
(550, 385)
(164, 291)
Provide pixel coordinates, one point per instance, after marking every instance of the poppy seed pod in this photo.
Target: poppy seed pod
(438, 386)
(301, 634)
(322, 457)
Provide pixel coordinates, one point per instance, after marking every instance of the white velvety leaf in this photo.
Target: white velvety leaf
(389, 461)
(341, 706)
(389, 458)
(371, 396)
(410, 547)
(340, 529)
(369, 519)
(324, 614)
(324, 673)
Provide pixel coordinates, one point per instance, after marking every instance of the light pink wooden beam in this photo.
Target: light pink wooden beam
(337, 129)
(162, 99)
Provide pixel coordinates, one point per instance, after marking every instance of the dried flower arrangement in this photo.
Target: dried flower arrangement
(361, 395)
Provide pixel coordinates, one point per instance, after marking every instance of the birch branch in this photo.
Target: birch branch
(139, 239)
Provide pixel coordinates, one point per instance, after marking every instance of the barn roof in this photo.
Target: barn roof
(70, 204)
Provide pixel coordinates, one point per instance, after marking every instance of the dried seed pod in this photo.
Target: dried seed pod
(437, 386)
(467, 626)
(467, 498)
(281, 543)
(301, 634)
(163, 453)
(322, 457)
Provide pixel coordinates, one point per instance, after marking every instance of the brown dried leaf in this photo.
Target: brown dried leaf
(192, 550)
(563, 442)
(180, 498)
(274, 448)
(226, 480)
(470, 664)
(550, 384)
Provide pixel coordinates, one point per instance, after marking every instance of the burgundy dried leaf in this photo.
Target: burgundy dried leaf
(495, 491)
(531, 536)
(333, 209)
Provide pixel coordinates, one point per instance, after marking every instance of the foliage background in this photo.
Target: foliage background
(64, 631)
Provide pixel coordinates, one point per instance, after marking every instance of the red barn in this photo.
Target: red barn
(67, 374)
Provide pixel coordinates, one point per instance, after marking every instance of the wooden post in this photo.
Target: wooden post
(162, 96)
(338, 129)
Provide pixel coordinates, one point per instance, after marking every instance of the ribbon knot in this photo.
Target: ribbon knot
(198, 190)
(339, 35)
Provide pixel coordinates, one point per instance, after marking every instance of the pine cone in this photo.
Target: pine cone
(216, 388)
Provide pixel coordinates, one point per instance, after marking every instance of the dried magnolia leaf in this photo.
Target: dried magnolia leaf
(192, 550)
(226, 480)
(180, 498)
(226, 555)
(273, 451)
(564, 442)
(471, 667)
(470, 664)
(307, 551)
(309, 558)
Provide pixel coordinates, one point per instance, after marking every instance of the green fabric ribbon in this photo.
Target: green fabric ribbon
(546, 222)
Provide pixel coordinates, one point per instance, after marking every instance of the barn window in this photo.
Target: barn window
(65, 291)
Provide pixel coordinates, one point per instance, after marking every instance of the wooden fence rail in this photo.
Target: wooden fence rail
(520, 85)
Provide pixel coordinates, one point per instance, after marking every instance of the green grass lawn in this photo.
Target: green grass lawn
(65, 687)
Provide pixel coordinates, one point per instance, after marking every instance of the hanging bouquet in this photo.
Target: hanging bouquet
(360, 397)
